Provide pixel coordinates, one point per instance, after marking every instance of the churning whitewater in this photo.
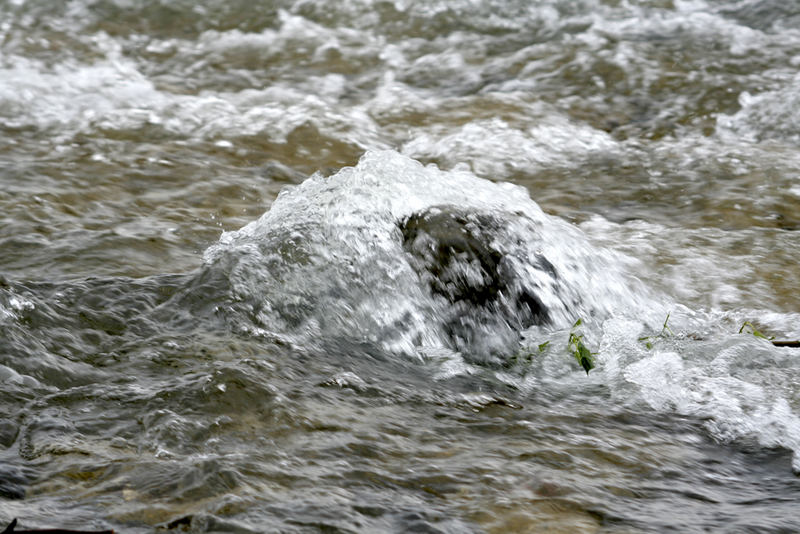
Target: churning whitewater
(391, 256)
(388, 266)
(410, 258)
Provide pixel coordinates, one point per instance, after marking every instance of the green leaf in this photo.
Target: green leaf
(582, 354)
(543, 346)
(753, 331)
(585, 358)
(743, 325)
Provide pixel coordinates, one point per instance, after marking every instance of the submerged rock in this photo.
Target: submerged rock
(459, 255)
(403, 258)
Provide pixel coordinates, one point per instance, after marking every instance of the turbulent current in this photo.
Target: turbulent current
(451, 266)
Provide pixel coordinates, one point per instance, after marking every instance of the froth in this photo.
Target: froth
(330, 258)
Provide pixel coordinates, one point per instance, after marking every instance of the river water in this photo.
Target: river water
(304, 266)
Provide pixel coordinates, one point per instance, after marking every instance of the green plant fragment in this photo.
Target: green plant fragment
(666, 331)
(585, 358)
(752, 330)
(582, 354)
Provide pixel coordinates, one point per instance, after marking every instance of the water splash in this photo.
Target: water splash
(393, 257)
(408, 257)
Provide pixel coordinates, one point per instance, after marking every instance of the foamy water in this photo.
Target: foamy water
(301, 266)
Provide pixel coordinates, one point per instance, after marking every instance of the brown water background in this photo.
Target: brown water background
(133, 132)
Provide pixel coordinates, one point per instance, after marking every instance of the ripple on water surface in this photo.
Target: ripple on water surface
(385, 349)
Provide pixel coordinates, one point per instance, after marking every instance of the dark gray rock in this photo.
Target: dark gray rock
(456, 253)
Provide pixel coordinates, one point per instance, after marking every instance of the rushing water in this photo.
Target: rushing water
(308, 266)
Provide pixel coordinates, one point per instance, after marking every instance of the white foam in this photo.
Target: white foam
(769, 115)
(696, 266)
(494, 148)
(13, 306)
(742, 388)
(331, 248)
(734, 408)
(112, 94)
